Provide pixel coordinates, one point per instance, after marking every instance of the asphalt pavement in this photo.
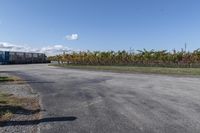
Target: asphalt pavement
(80, 101)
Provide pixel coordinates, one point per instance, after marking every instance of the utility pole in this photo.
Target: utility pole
(130, 50)
(185, 47)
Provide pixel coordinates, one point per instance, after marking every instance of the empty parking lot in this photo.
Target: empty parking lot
(105, 102)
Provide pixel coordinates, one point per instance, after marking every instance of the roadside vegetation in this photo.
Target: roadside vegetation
(142, 58)
(141, 61)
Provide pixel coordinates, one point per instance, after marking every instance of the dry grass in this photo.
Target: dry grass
(7, 100)
(12, 79)
(5, 79)
(11, 105)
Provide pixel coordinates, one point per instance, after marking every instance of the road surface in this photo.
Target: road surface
(80, 101)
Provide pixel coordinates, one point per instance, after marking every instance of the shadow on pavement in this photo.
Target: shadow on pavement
(35, 122)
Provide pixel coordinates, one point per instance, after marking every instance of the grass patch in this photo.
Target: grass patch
(11, 105)
(133, 69)
(6, 79)
(7, 100)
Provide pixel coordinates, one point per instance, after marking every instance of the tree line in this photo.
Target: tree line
(162, 58)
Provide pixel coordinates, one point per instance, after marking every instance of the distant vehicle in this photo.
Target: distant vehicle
(8, 57)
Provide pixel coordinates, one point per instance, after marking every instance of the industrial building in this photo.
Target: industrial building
(8, 57)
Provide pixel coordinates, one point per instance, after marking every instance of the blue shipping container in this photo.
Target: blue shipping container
(7, 57)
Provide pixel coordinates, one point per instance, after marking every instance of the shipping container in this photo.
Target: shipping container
(8, 57)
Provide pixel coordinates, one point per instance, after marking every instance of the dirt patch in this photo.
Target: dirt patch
(18, 103)
(10, 106)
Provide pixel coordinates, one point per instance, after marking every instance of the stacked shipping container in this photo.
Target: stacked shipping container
(7, 57)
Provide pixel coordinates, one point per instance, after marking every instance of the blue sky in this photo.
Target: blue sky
(101, 24)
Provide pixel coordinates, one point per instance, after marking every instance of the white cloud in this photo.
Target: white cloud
(4, 46)
(72, 37)
(55, 49)
(49, 50)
